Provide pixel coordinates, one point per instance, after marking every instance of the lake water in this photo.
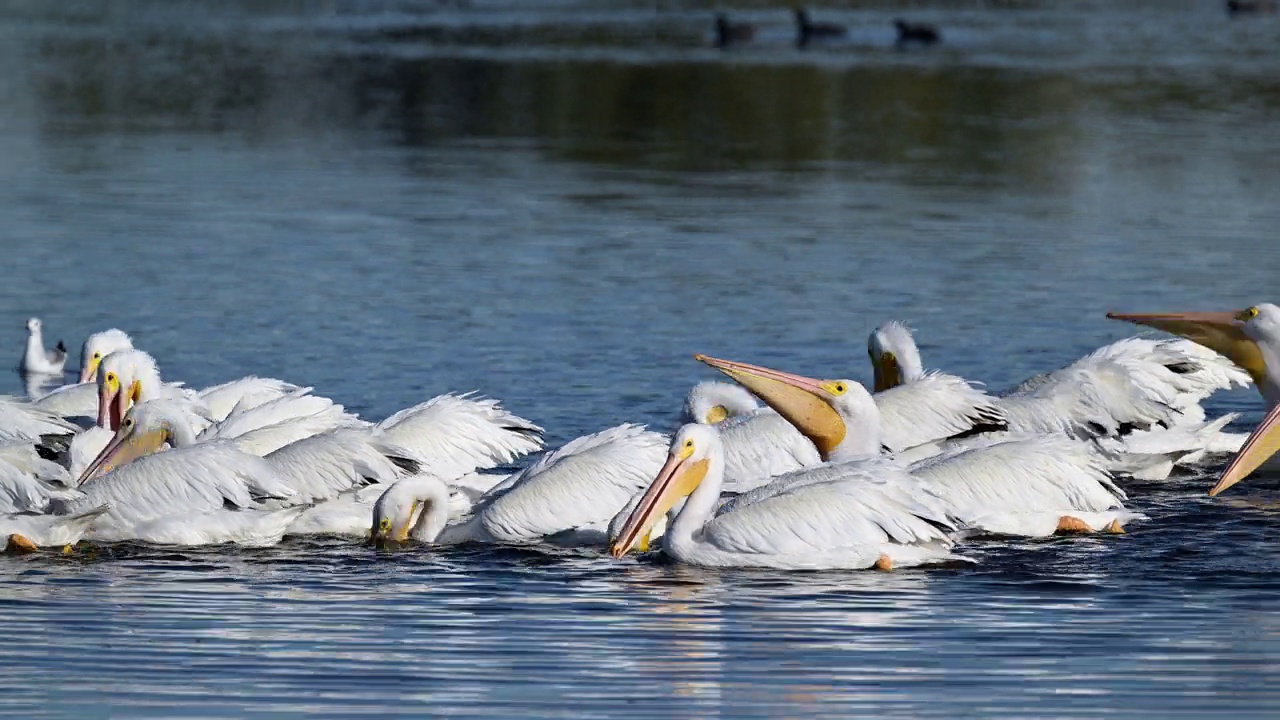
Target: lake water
(557, 204)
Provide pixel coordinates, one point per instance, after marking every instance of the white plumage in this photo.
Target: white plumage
(576, 490)
(50, 530)
(248, 528)
(453, 435)
(182, 482)
(1025, 486)
(830, 517)
(762, 445)
(96, 347)
(37, 360)
(712, 402)
(21, 420)
(933, 407)
(27, 482)
(269, 426)
(244, 394)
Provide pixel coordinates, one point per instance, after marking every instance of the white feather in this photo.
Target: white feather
(933, 407)
(248, 528)
(244, 394)
(581, 487)
(21, 420)
(50, 530)
(452, 435)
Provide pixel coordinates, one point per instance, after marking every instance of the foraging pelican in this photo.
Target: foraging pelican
(832, 517)
(96, 347)
(1251, 339)
(1032, 486)
(37, 360)
(567, 497)
(195, 481)
(1130, 384)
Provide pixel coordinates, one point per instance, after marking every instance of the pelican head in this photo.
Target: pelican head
(822, 410)
(98, 346)
(713, 402)
(146, 428)
(694, 449)
(33, 325)
(895, 359)
(1251, 339)
(126, 377)
(1245, 336)
(417, 507)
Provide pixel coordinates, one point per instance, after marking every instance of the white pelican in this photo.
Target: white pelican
(1130, 384)
(47, 530)
(262, 429)
(96, 347)
(193, 481)
(1031, 486)
(831, 517)
(35, 359)
(1251, 338)
(348, 514)
(567, 496)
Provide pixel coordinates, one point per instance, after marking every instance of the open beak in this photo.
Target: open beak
(801, 400)
(1218, 331)
(123, 449)
(89, 370)
(1262, 444)
(678, 478)
(888, 373)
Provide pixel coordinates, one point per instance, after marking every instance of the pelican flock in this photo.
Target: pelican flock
(771, 469)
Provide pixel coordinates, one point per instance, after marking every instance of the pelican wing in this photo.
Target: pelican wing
(244, 394)
(24, 421)
(78, 400)
(50, 530)
(581, 485)
(851, 506)
(322, 466)
(184, 481)
(249, 528)
(453, 435)
(989, 488)
(935, 407)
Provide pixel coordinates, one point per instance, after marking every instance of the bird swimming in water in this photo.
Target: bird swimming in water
(808, 31)
(728, 33)
(917, 33)
(37, 360)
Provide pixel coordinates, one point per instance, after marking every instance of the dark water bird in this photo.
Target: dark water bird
(728, 33)
(1247, 7)
(920, 33)
(809, 31)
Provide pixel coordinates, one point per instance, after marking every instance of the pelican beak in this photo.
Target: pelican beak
(677, 479)
(717, 415)
(802, 401)
(124, 448)
(109, 413)
(389, 534)
(1219, 331)
(888, 373)
(1261, 445)
(89, 370)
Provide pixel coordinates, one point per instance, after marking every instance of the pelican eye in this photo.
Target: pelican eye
(688, 443)
(837, 388)
(97, 355)
(1249, 314)
(385, 524)
(128, 424)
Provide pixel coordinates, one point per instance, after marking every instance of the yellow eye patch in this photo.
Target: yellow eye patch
(1249, 314)
(835, 387)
